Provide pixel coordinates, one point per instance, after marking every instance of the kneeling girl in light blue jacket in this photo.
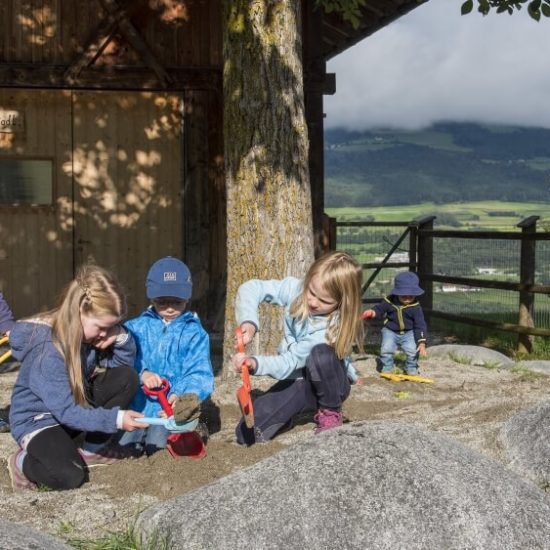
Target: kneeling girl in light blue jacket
(322, 321)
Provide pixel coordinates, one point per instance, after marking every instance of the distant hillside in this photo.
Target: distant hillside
(449, 162)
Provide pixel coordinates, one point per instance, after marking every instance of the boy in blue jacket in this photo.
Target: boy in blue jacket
(404, 324)
(172, 344)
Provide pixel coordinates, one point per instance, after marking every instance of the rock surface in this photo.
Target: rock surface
(525, 439)
(21, 537)
(471, 355)
(381, 485)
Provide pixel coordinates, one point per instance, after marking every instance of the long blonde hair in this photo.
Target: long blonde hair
(341, 276)
(94, 291)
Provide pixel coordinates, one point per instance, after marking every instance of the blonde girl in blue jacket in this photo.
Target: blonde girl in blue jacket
(322, 321)
(171, 344)
(74, 386)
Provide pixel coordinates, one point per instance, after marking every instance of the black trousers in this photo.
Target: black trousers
(52, 455)
(324, 385)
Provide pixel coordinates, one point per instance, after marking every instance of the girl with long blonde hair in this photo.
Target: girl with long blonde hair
(75, 382)
(322, 322)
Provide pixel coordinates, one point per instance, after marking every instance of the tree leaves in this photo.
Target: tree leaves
(535, 8)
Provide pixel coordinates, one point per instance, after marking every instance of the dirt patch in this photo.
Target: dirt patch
(466, 402)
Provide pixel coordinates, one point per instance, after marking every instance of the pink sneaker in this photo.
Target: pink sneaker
(327, 419)
(108, 455)
(19, 481)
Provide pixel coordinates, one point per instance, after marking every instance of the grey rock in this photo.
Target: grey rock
(536, 366)
(22, 537)
(376, 485)
(473, 355)
(525, 440)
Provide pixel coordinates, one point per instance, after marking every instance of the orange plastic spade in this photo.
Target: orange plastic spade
(244, 392)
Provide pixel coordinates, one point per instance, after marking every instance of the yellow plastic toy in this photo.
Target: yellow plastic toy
(403, 377)
(6, 355)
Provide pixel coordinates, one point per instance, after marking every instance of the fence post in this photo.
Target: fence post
(527, 277)
(329, 233)
(425, 264)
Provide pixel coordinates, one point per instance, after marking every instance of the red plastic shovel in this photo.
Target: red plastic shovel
(244, 396)
(187, 443)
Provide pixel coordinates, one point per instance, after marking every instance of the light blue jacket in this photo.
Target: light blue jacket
(299, 337)
(178, 351)
(42, 394)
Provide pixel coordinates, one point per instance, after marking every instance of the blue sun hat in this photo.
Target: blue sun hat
(406, 284)
(169, 277)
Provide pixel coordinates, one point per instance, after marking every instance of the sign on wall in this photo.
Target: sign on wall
(11, 121)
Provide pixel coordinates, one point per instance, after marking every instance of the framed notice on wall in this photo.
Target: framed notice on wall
(11, 121)
(26, 181)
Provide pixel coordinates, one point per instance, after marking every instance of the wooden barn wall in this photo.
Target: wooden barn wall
(127, 168)
(36, 246)
(118, 186)
(124, 196)
(180, 33)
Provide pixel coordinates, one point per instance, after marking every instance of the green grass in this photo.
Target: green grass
(472, 215)
(124, 540)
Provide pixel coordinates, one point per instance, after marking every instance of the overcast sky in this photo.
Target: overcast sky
(434, 64)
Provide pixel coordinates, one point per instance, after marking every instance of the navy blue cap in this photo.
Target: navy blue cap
(169, 277)
(406, 284)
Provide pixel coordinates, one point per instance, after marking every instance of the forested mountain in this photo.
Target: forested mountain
(448, 162)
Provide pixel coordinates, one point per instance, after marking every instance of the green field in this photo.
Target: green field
(495, 215)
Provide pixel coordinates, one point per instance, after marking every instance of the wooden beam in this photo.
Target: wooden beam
(99, 40)
(28, 75)
(134, 38)
(320, 84)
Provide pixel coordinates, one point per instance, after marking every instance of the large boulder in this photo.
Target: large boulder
(472, 355)
(525, 440)
(377, 485)
(22, 537)
(535, 365)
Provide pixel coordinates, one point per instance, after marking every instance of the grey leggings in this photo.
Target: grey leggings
(324, 385)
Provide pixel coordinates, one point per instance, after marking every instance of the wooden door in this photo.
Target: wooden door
(36, 228)
(128, 183)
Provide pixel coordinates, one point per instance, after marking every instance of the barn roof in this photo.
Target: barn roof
(339, 35)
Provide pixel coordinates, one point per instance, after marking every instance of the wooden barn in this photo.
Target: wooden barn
(111, 142)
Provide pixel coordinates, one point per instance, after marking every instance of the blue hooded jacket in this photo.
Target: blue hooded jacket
(42, 395)
(178, 351)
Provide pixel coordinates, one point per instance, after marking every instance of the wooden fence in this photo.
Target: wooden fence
(421, 235)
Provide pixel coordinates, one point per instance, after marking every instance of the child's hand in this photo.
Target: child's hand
(248, 330)
(239, 359)
(109, 339)
(172, 398)
(369, 314)
(151, 380)
(421, 349)
(129, 422)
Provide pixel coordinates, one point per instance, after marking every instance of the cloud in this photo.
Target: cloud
(433, 64)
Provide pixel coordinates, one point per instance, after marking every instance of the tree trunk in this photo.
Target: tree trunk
(269, 227)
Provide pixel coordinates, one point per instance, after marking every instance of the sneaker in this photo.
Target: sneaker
(108, 455)
(19, 481)
(327, 419)
(413, 372)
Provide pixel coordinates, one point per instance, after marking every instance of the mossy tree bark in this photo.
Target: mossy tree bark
(269, 228)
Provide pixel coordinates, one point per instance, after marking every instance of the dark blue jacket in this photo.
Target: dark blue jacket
(42, 394)
(401, 318)
(6, 316)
